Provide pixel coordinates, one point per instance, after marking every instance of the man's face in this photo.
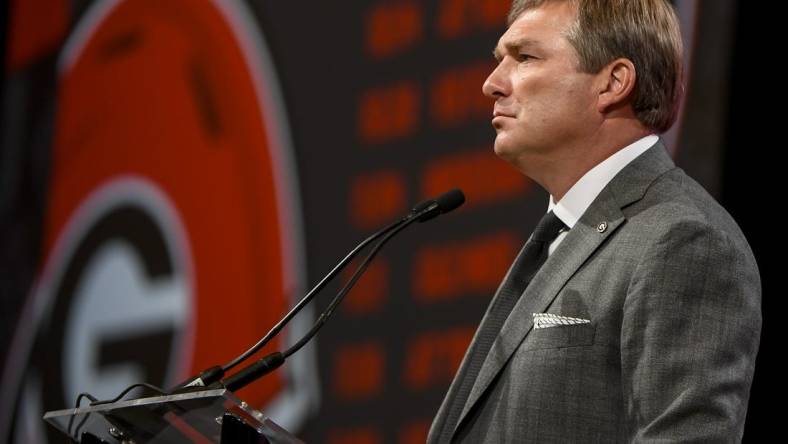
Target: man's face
(543, 104)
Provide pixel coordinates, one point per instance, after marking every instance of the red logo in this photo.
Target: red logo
(173, 233)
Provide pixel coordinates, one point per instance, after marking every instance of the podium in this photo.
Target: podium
(207, 416)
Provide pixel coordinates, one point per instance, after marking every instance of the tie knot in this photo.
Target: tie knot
(548, 228)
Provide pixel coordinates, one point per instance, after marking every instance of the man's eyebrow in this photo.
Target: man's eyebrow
(515, 46)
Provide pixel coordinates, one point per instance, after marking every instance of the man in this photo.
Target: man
(633, 312)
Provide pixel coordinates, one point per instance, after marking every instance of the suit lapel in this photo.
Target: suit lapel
(576, 247)
(583, 239)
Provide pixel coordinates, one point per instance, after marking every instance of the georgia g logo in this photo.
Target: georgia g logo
(172, 237)
(114, 304)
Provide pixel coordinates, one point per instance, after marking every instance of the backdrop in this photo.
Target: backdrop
(175, 174)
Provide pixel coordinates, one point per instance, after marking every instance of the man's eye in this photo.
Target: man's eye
(524, 57)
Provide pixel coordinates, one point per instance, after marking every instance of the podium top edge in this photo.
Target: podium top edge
(138, 401)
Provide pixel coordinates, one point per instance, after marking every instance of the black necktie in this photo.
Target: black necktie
(526, 265)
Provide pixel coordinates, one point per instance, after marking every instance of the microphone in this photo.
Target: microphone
(213, 374)
(442, 204)
(422, 212)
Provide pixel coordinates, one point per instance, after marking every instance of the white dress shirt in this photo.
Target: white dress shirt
(575, 202)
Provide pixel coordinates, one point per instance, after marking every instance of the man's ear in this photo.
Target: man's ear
(616, 82)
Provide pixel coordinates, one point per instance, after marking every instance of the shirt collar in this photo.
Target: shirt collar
(575, 202)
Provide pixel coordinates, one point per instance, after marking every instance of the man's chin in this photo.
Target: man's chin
(504, 151)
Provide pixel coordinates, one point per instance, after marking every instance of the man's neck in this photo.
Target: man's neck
(562, 169)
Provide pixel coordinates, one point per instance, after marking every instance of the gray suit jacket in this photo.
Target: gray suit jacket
(673, 294)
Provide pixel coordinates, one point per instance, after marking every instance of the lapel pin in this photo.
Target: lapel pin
(601, 227)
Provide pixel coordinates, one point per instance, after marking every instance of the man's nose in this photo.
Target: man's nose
(496, 85)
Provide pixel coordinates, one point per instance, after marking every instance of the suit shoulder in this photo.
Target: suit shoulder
(676, 200)
(676, 209)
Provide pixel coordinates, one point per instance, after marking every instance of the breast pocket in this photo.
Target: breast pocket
(560, 336)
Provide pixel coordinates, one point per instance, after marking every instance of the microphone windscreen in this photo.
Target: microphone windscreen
(450, 200)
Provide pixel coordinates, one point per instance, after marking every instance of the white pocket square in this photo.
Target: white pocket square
(546, 320)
